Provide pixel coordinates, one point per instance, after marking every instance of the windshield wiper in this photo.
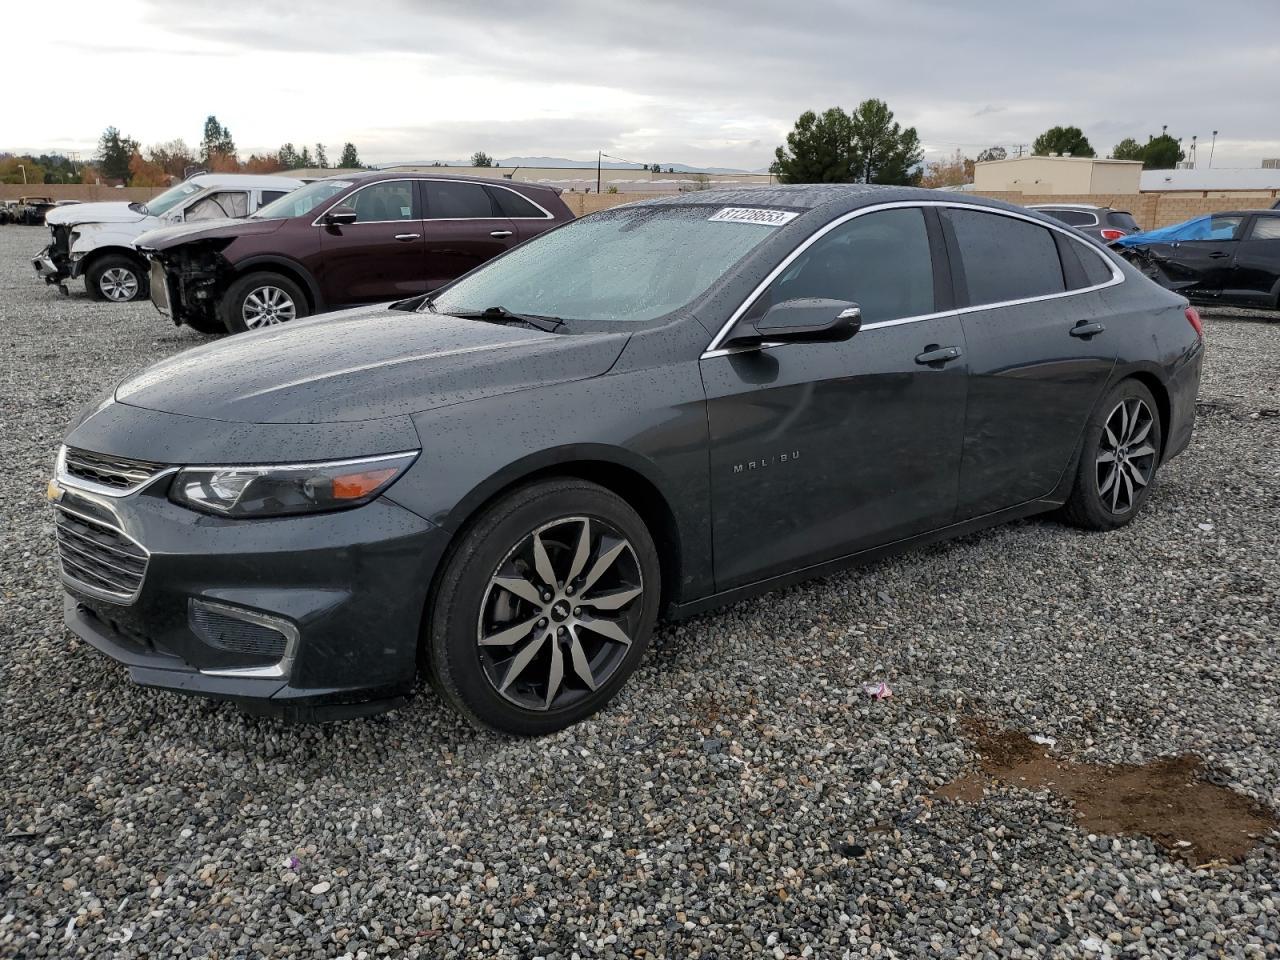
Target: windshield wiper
(503, 315)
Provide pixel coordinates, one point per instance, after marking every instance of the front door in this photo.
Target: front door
(464, 228)
(382, 256)
(1199, 267)
(819, 450)
(1255, 274)
(1039, 356)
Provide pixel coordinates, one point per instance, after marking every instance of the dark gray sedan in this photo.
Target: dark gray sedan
(654, 410)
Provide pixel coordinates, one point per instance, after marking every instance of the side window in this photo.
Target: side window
(270, 196)
(1076, 218)
(380, 202)
(1005, 258)
(1265, 228)
(880, 261)
(453, 200)
(512, 204)
(219, 205)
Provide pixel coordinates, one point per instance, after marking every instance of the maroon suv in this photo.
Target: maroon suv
(339, 242)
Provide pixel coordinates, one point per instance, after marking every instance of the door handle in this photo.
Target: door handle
(939, 355)
(1087, 330)
(500, 234)
(408, 236)
(1218, 255)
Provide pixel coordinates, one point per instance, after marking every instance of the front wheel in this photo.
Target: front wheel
(115, 278)
(544, 608)
(1118, 461)
(262, 300)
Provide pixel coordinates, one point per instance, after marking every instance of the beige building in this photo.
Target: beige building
(583, 179)
(1058, 175)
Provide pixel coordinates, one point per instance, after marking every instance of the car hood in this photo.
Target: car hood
(162, 238)
(113, 212)
(363, 364)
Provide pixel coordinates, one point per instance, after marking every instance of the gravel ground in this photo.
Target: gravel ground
(743, 797)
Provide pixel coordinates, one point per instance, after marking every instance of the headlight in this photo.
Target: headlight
(277, 491)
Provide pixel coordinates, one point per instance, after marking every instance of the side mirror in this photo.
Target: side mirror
(341, 214)
(806, 320)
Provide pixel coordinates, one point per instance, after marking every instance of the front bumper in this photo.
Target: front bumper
(350, 586)
(52, 271)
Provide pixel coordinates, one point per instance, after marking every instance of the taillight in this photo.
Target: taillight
(1110, 235)
(1193, 318)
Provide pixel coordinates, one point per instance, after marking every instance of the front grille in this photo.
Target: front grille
(98, 558)
(116, 472)
(59, 246)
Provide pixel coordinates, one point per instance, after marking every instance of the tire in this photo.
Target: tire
(272, 297)
(1125, 425)
(618, 570)
(116, 278)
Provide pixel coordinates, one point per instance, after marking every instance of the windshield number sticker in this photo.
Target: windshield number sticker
(766, 218)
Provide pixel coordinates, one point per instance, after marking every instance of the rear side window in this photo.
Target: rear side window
(1266, 228)
(1095, 270)
(880, 261)
(449, 200)
(1076, 218)
(1122, 220)
(512, 204)
(1005, 258)
(269, 196)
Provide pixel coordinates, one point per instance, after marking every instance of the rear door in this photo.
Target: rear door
(464, 227)
(382, 256)
(1039, 353)
(822, 449)
(1255, 274)
(529, 218)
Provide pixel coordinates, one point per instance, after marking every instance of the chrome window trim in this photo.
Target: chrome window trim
(714, 348)
(279, 670)
(65, 479)
(547, 214)
(110, 596)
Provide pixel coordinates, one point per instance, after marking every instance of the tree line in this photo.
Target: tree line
(869, 146)
(120, 157)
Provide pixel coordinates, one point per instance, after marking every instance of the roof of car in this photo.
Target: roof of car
(374, 175)
(1066, 206)
(833, 198)
(266, 181)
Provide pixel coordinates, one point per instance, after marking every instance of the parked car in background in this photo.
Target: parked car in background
(1104, 223)
(659, 408)
(1231, 257)
(95, 240)
(338, 242)
(28, 211)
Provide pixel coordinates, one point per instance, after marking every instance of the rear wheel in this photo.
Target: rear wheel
(115, 278)
(544, 608)
(262, 300)
(1118, 461)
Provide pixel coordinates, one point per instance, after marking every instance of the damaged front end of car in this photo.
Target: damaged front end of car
(53, 264)
(188, 280)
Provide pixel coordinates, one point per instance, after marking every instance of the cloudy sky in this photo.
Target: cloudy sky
(708, 84)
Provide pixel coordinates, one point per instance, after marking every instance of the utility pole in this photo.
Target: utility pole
(24, 173)
(1212, 144)
(1193, 151)
(599, 157)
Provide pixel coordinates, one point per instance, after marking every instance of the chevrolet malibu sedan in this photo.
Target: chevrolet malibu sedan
(652, 411)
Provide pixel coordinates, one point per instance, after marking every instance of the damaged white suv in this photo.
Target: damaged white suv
(94, 240)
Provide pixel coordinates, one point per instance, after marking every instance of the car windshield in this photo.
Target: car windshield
(625, 265)
(170, 198)
(302, 201)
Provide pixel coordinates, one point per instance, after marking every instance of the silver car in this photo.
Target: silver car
(1102, 223)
